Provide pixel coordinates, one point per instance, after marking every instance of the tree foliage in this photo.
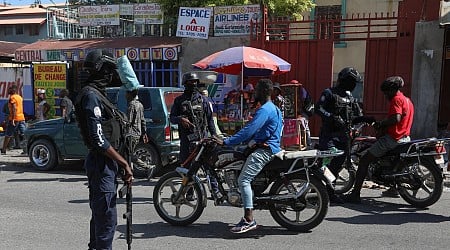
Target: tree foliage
(291, 8)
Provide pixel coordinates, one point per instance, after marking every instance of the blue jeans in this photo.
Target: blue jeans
(18, 127)
(252, 166)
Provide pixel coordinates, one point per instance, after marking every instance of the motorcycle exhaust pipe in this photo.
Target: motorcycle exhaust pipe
(391, 177)
(285, 197)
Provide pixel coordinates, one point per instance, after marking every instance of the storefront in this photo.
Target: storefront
(58, 64)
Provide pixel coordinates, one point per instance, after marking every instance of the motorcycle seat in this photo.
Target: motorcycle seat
(404, 146)
(286, 155)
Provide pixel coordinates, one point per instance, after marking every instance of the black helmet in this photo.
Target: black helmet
(99, 60)
(190, 77)
(392, 83)
(347, 78)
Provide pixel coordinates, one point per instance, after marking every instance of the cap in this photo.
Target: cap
(277, 86)
(40, 91)
(126, 74)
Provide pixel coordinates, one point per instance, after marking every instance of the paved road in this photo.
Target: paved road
(50, 211)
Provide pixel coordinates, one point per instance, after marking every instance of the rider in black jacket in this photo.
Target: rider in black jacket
(338, 108)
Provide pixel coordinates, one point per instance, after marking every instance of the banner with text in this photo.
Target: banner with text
(52, 78)
(235, 20)
(193, 22)
(148, 13)
(103, 15)
(21, 77)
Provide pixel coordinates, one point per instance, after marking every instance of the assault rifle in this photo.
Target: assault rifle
(126, 190)
(198, 134)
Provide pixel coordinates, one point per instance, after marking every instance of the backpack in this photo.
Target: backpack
(117, 127)
(308, 104)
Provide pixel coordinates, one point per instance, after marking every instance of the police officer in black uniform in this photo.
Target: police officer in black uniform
(338, 108)
(102, 161)
(192, 113)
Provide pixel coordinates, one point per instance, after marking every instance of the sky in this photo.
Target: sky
(29, 2)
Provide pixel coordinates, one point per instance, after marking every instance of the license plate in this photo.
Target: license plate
(175, 135)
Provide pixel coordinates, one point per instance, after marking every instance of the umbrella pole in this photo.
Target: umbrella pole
(242, 93)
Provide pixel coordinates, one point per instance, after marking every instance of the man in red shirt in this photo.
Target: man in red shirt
(397, 125)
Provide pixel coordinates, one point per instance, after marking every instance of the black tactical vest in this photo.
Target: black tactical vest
(192, 108)
(115, 125)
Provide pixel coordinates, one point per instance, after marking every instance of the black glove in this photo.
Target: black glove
(366, 119)
(377, 125)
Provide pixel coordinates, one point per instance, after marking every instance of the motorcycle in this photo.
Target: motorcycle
(292, 186)
(412, 167)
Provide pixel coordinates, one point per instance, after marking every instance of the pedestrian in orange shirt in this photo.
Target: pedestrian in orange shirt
(16, 118)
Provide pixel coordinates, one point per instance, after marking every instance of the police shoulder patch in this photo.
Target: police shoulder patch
(97, 111)
(322, 98)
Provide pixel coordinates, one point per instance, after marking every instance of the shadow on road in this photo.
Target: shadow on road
(386, 213)
(213, 229)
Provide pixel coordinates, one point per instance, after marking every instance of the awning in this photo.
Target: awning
(22, 21)
(136, 48)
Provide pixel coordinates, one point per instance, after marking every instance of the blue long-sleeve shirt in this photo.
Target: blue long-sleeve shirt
(93, 109)
(265, 127)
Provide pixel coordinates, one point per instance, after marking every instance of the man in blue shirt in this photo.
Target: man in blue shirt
(264, 132)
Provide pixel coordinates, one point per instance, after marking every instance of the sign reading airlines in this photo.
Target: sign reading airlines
(235, 20)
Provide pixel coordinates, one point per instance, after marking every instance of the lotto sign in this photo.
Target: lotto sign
(170, 54)
(193, 22)
(133, 54)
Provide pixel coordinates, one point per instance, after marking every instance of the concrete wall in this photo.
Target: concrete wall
(196, 49)
(426, 78)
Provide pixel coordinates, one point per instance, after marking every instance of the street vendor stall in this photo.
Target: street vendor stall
(246, 62)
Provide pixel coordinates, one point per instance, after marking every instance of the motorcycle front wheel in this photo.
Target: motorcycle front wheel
(424, 185)
(345, 180)
(183, 211)
(305, 213)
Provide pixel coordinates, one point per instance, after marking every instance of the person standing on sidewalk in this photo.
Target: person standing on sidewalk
(66, 104)
(43, 107)
(135, 111)
(16, 118)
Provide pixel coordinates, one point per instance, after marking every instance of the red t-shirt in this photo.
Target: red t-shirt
(401, 104)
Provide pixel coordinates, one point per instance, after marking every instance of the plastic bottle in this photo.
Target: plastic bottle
(325, 162)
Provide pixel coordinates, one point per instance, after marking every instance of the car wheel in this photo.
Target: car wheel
(147, 154)
(42, 155)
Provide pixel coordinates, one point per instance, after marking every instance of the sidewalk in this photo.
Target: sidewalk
(14, 156)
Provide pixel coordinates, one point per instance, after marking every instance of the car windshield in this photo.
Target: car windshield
(169, 98)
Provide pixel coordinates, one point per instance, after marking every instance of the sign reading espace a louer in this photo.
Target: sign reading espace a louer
(193, 22)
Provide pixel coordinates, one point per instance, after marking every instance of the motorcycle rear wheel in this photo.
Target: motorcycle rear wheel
(178, 213)
(431, 186)
(301, 217)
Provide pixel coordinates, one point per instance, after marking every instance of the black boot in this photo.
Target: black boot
(334, 199)
(352, 197)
